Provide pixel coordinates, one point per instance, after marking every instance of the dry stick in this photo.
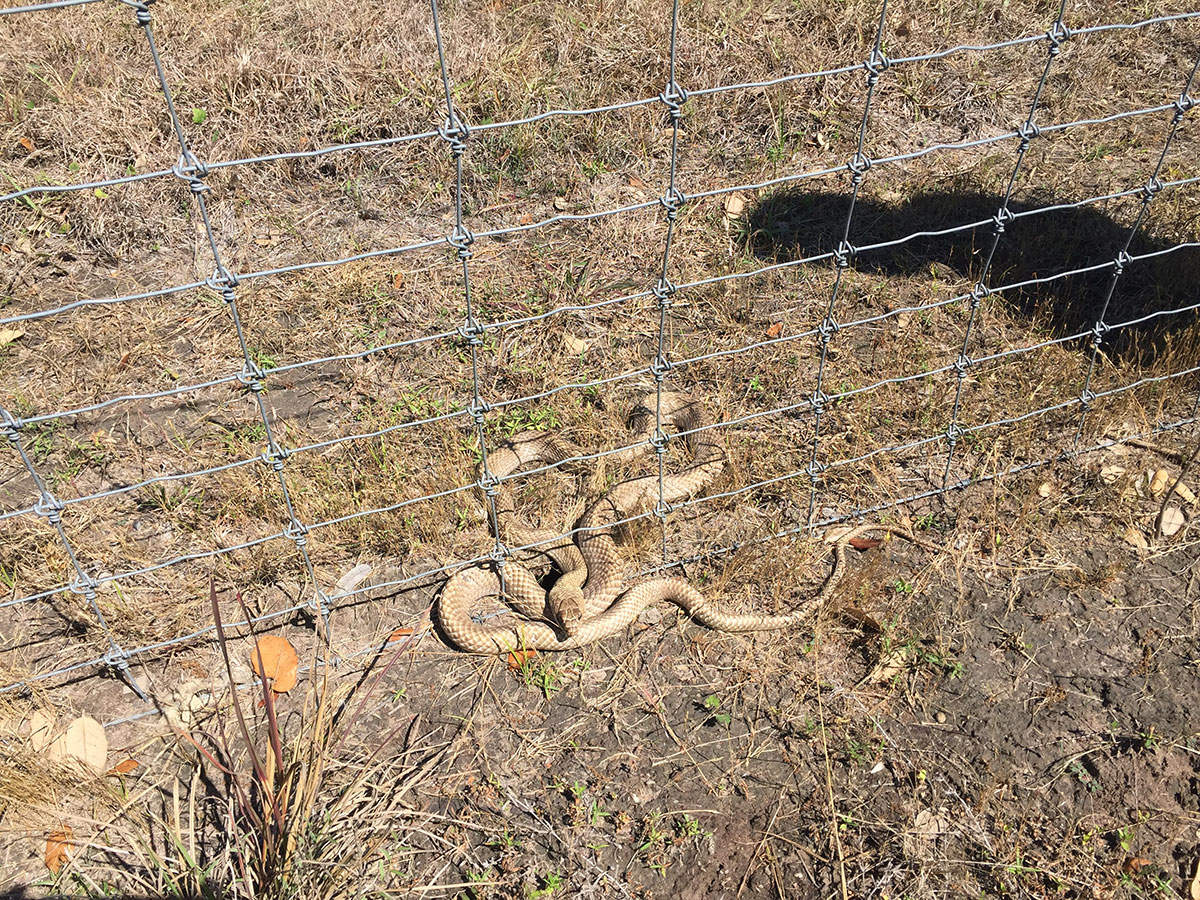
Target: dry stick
(1162, 510)
(837, 838)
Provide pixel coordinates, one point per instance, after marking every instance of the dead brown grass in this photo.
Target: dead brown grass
(79, 90)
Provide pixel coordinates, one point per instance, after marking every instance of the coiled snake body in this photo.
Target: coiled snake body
(590, 605)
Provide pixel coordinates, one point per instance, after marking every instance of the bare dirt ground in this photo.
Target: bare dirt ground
(1011, 717)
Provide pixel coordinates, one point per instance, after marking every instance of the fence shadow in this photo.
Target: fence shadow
(797, 224)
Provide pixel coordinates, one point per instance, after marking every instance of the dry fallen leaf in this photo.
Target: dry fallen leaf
(862, 543)
(8, 335)
(929, 824)
(526, 219)
(518, 658)
(636, 182)
(278, 662)
(124, 768)
(1158, 482)
(574, 345)
(351, 579)
(41, 726)
(397, 281)
(1172, 521)
(833, 535)
(85, 741)
(888, 667)
(734, 206)
(1184, 493)
(775, 330)
(1134, 865)
(1194, 887)
(27, 143)
(58, 844)
(1135, 538)
(1045, 489)
(399, 634)
(1110, 474)
(862, 618)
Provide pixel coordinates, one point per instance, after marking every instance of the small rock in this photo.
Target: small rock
(651, 615)
(941, 718)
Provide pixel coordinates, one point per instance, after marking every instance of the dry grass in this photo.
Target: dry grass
(78, 89)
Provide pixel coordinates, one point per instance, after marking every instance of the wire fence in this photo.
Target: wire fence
(942, 445)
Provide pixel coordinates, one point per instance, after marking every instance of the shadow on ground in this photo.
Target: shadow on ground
(795, 225)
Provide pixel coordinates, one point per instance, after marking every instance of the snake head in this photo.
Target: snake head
(568, 608)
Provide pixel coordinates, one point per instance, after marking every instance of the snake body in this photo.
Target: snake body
(472, 585)
(563, 604)
(591, 605)
(636, 496)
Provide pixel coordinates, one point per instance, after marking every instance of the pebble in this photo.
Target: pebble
(941, 718)
(651, 615)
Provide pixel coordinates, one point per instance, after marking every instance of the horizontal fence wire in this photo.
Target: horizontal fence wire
(474, 413)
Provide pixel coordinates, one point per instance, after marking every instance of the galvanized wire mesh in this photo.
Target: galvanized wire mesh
(456, 135)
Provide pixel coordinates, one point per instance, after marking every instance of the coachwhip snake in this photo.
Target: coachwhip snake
(591, 605)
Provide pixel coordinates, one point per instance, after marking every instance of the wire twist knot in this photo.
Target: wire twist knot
(664, 291)
(297, 531)
(1028, 131)
(1123, 259)
(489, 483)
(674, 97)
(252, 376)
(876, 64)
(962, 365)
(472, 331)
(11, 425)
(859, 165)
(1057, 36)
(477, 409)
(275, 457)
(461, 240)
(455, 132)
(660, 367)
(190, 169)
(49, 507)
(827, 329)
(671, 201)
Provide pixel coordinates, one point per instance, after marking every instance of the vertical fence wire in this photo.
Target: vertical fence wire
(877, 63)
(455, 133)
(1152, 189)
(672, 200)
(1029, 130)
(224, 281)
(50, 508)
